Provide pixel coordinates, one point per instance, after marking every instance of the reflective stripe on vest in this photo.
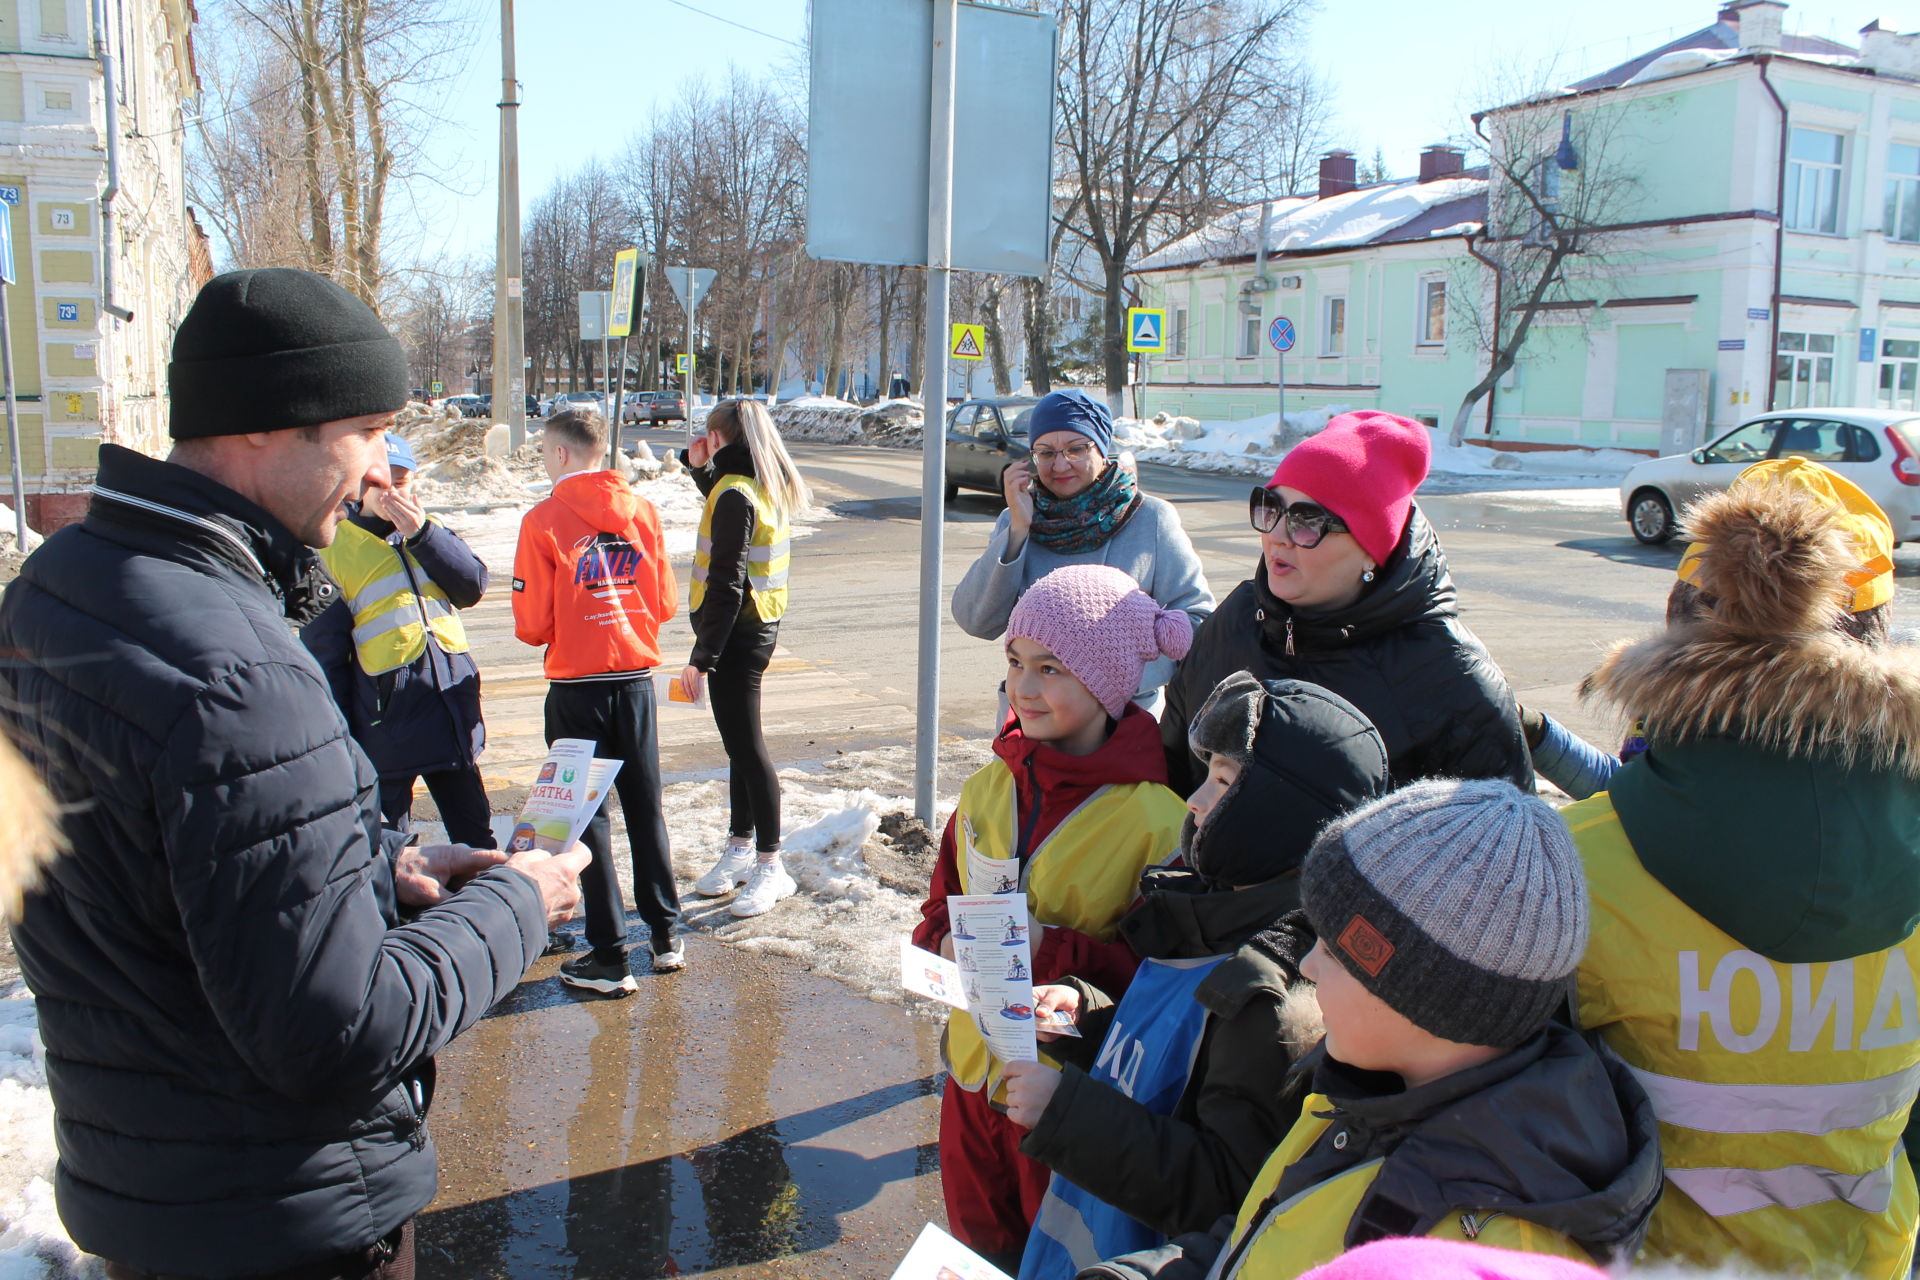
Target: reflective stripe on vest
(1782, 1089)
(769, 550)
(1083, 876)
(394, 608)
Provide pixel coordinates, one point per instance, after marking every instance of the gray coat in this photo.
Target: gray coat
(1151, 548)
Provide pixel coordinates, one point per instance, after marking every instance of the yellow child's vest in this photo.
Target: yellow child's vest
(769, 552)
(395, 604)
(1280, 1241)
(1083, 876)
(1782, 1089)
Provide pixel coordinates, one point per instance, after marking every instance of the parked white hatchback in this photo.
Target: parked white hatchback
(1877, 449)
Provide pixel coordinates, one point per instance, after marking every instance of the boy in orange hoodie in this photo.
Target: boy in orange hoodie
(591, 582)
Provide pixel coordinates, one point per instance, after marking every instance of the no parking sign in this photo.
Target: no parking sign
(1281, 334)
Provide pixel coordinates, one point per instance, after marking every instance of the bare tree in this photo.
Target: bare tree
(1556, 194)
(351, 90)
(437, 316)
(1163, 108)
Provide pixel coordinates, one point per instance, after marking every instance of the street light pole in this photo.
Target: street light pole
(509, 378)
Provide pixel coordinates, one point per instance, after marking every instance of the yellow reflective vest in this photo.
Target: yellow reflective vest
(769, 552)
(395, 605)
(1083, 876)
(1782, 1089)
(1276, 1241)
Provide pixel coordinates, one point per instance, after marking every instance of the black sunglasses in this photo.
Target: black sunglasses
(1307, 522)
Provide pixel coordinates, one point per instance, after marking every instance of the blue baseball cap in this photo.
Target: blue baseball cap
(400, 453)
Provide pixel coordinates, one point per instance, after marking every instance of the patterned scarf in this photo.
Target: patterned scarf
(1084, 522)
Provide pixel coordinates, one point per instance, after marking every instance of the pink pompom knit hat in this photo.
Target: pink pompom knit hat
(1102, 627)
(1363, 467)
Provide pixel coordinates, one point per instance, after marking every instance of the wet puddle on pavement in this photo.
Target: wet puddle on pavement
(742, 1117)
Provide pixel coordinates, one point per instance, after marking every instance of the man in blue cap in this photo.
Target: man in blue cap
(396, 654)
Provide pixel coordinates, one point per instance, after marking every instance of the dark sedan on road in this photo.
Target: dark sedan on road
(983, 436)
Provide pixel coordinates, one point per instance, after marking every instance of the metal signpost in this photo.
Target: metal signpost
(976, 113)
(690, 284)
(1282, 335)
(509, 339)
(7, 201)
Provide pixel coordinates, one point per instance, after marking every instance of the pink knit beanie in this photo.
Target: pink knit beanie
(1363, 467)
(1102, 627)
(1447, 1260)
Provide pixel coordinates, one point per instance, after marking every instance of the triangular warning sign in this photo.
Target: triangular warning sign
(967, 348)
(1146, 330)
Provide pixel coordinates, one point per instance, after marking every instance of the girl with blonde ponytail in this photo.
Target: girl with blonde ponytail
(738, 596)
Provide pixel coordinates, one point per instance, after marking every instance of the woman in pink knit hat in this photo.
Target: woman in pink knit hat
(1069, 813)
(1353, 593)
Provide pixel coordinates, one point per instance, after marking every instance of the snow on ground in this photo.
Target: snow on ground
(33, 1244)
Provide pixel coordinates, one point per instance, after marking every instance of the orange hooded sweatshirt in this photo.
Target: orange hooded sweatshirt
(591, 579)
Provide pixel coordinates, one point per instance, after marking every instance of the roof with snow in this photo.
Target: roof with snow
(1721, 37)
(1390, 213)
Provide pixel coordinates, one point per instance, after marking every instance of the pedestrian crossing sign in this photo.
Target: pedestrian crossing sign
(969, 342)
(1146, 330)
(683, 363)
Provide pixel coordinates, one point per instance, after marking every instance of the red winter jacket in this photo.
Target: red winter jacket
(1057, 783)
(591, 579)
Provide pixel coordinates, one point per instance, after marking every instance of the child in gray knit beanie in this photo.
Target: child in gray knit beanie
(1446, 1101)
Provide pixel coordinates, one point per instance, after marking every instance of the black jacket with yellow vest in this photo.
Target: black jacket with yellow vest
(424, 715)
(740, 563)
(1755, 880)
(1550, 1148)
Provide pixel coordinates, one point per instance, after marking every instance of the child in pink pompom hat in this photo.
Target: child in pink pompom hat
(1070, 813)
(1448, 1260)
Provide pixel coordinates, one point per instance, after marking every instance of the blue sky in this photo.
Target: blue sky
(591, 71)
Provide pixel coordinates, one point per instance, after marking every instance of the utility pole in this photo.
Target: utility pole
(933, 402)
(509, 377)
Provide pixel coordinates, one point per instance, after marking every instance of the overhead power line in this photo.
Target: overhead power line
(705, 13)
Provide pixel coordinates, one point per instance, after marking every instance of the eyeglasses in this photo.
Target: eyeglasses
(1077, 454)
(1307, 522)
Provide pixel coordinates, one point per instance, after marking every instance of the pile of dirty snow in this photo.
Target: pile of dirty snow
(894, 424)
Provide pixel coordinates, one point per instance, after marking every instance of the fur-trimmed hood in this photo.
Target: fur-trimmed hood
(1780, 794)
(1763, 662)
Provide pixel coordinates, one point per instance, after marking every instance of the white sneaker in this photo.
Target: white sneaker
(767, 883)
(670, 961)
(728, 873)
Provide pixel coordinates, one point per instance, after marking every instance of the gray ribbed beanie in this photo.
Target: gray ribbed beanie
(1461, 904)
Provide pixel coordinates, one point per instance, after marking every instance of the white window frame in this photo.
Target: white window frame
(1902, 196)
(1177, 339)
(1806, 363)
(1423, 335)
(1250, 329)
(1333, 338)
(1800, 199)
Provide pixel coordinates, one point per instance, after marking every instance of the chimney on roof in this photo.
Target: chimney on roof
(1338, 173)
(1441, 161)
(1890, 52)
(1757, 23)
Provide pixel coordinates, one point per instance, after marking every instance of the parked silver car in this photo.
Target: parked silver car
(1877, 449)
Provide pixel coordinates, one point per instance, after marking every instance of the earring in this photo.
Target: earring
(1367, 576)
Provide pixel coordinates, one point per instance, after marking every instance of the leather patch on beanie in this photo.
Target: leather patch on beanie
(1367, 945)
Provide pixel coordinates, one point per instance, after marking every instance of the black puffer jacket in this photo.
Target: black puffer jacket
(238, 1029)
(1400, 654)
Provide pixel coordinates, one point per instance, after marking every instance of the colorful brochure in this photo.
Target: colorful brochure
(938, 978)
(935, 1255)
(566, 793)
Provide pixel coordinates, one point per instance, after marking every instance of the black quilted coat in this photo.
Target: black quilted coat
(1400, 654)
(238, 1027)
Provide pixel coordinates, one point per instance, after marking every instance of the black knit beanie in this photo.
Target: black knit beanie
(1306, 756)
(273, 348)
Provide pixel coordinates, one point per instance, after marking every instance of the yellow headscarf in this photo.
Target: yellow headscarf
(1866, 524)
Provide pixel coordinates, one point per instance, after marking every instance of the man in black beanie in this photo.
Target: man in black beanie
(239, 1026)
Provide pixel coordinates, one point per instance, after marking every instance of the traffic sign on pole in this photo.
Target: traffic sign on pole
(1146, 330)
(969, 342)
(683, 363)
(1281, 334)
(620, 317)
(694, 280)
